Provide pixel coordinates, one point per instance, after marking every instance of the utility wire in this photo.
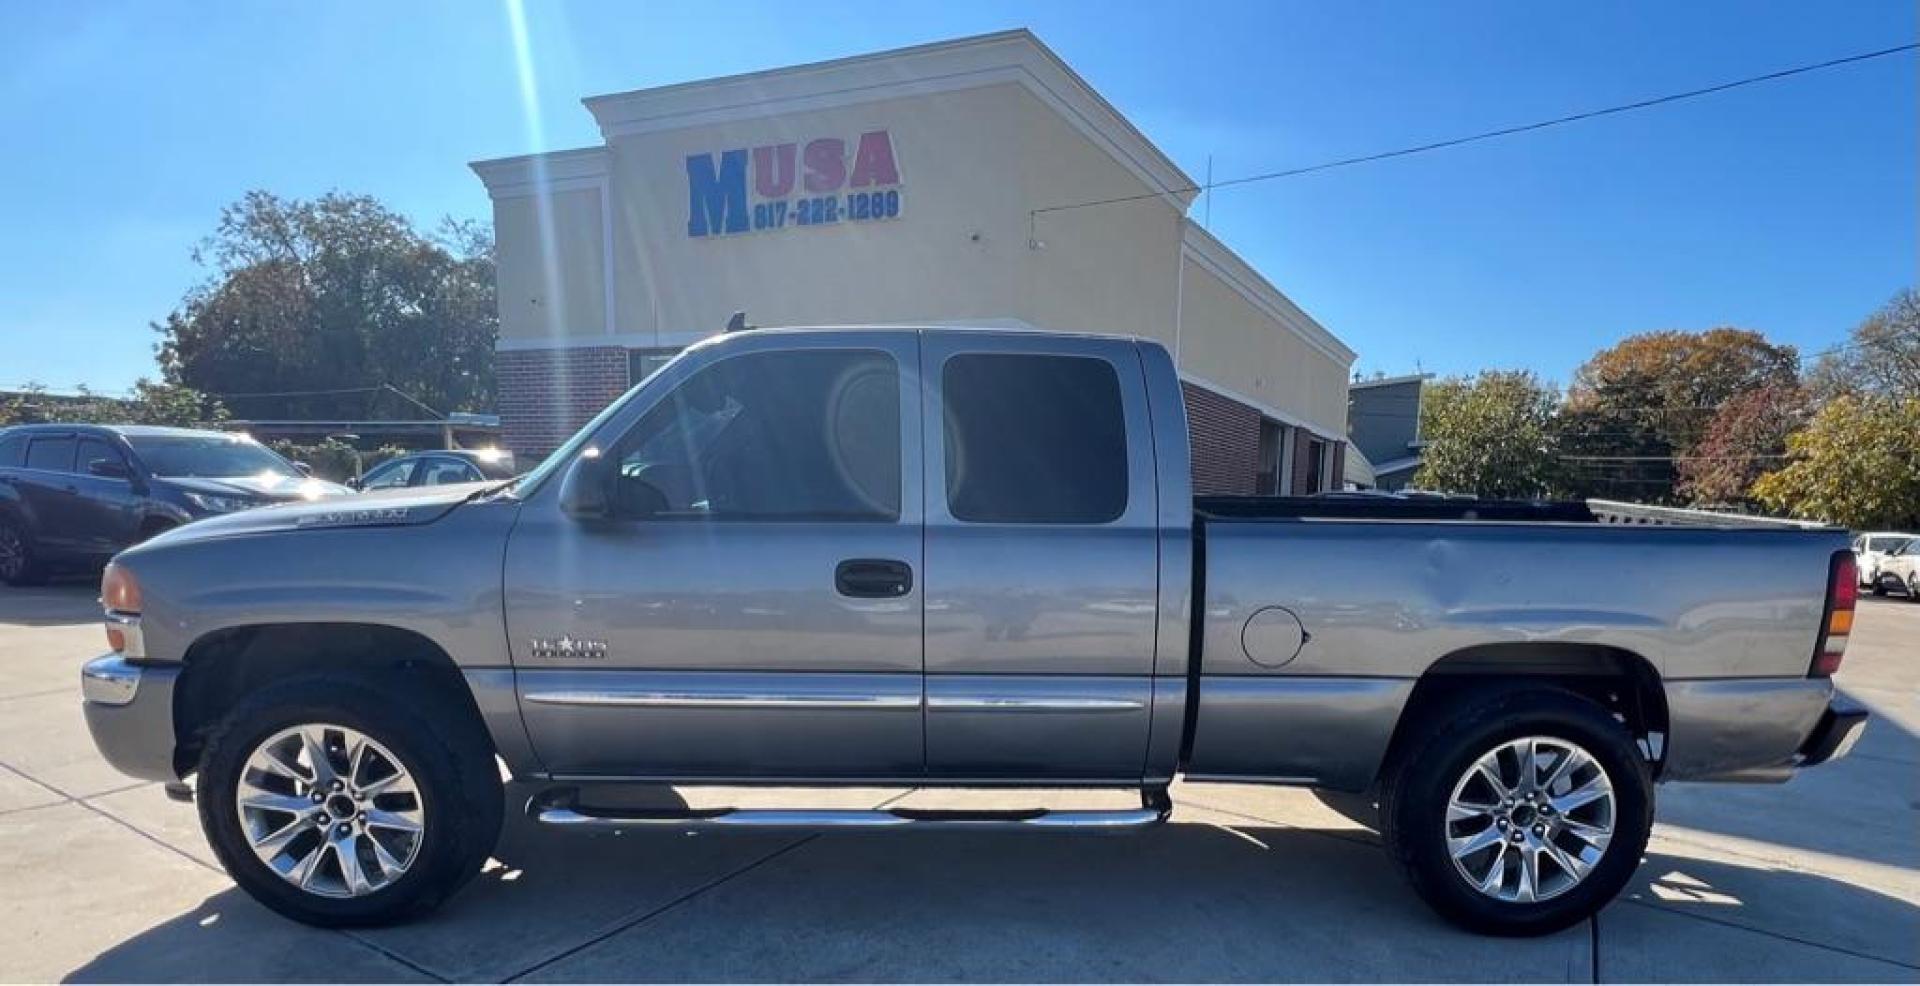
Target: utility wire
(1502, 132)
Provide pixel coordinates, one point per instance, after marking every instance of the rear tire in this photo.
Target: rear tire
(19, 563)
(1429, 810)
(448, 766)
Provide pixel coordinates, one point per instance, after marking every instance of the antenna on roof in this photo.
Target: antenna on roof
(738, 323)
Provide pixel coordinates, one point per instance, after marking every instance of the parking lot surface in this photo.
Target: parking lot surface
(103, 878)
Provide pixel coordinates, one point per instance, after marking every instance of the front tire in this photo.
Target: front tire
(19, 564)
(1519, 813)
(334, 805)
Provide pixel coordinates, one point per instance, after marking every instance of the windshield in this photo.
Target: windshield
(208, 457)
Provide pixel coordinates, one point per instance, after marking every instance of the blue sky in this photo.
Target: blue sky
(1789, 208)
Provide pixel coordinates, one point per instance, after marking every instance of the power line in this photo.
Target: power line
(1492, 134)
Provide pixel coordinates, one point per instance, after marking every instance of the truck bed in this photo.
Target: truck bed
(1393, 506)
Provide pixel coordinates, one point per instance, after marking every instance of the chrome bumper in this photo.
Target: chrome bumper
(129, 710)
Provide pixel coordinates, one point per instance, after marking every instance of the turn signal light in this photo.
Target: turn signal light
(1843, 594)
(119, 593)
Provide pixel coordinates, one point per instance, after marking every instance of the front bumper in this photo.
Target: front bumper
(1839, 729)
(129, 710)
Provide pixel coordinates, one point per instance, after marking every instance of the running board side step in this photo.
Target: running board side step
(562, 812)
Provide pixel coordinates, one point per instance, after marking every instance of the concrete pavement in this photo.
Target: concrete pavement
(103, 879)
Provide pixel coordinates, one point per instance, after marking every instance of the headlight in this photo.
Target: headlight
(219, 504)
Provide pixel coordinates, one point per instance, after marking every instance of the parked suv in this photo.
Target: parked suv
(1873, 549)
(72, 495)
(1899, 571)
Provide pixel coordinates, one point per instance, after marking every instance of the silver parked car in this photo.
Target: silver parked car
(944, 557)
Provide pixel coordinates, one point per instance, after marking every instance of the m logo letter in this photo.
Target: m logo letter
(717, 200)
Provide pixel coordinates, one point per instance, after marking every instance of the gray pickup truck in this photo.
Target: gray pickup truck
(950, 557)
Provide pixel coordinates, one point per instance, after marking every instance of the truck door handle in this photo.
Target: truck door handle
(873, 578)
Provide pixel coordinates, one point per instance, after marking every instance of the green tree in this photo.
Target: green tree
(1638, 407)
(336, 293)
(151, 404)
(1857, 463)
(1881, 357)
(1491, 434)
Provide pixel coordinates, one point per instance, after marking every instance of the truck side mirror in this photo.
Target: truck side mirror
(305, 468)
(584, 489)
(110, 468)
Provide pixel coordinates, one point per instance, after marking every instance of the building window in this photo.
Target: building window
(1316, 465)
(641, 363)
(1270, 479)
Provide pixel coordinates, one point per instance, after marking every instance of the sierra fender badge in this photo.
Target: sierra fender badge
(568, 648)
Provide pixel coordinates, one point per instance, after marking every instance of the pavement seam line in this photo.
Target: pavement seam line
(197, 861)
(1724, 923)
(29, 778)
(392, 955)
(1593, 960)
(624, 925)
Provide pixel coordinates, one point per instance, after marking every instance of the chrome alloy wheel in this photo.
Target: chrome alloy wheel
(1530, 819)
(330, 810)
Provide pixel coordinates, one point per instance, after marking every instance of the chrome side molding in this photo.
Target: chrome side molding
(1014, 703)
(719, 700)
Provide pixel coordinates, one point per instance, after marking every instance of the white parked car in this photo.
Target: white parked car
(1870, 552)
(1900, 571)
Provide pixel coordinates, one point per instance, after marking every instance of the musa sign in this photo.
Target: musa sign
(819, 183)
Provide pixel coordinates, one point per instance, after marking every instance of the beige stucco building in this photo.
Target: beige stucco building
(946, 183)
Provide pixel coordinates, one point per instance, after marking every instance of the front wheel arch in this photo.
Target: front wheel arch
(224, 667)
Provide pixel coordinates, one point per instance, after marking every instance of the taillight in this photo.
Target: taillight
(1843, 593)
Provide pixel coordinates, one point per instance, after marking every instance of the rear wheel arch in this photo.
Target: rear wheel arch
(1621, 682)
(224, 666)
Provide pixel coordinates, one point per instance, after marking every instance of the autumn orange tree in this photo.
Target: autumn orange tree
(1638, 409)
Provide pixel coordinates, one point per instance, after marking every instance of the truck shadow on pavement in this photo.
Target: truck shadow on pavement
(1188, 901)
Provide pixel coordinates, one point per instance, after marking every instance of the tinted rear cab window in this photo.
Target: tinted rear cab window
(1034, 439)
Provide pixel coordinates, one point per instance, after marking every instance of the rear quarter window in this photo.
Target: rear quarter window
(13, 450)
(1034, 439)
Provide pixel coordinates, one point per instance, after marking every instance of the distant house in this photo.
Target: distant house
(1383, 424)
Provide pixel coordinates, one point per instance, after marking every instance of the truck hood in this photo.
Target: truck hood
(397, 508)
(259, 487)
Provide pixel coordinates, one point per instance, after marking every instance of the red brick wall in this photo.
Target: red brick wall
(547, 394)
(1226, 441)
